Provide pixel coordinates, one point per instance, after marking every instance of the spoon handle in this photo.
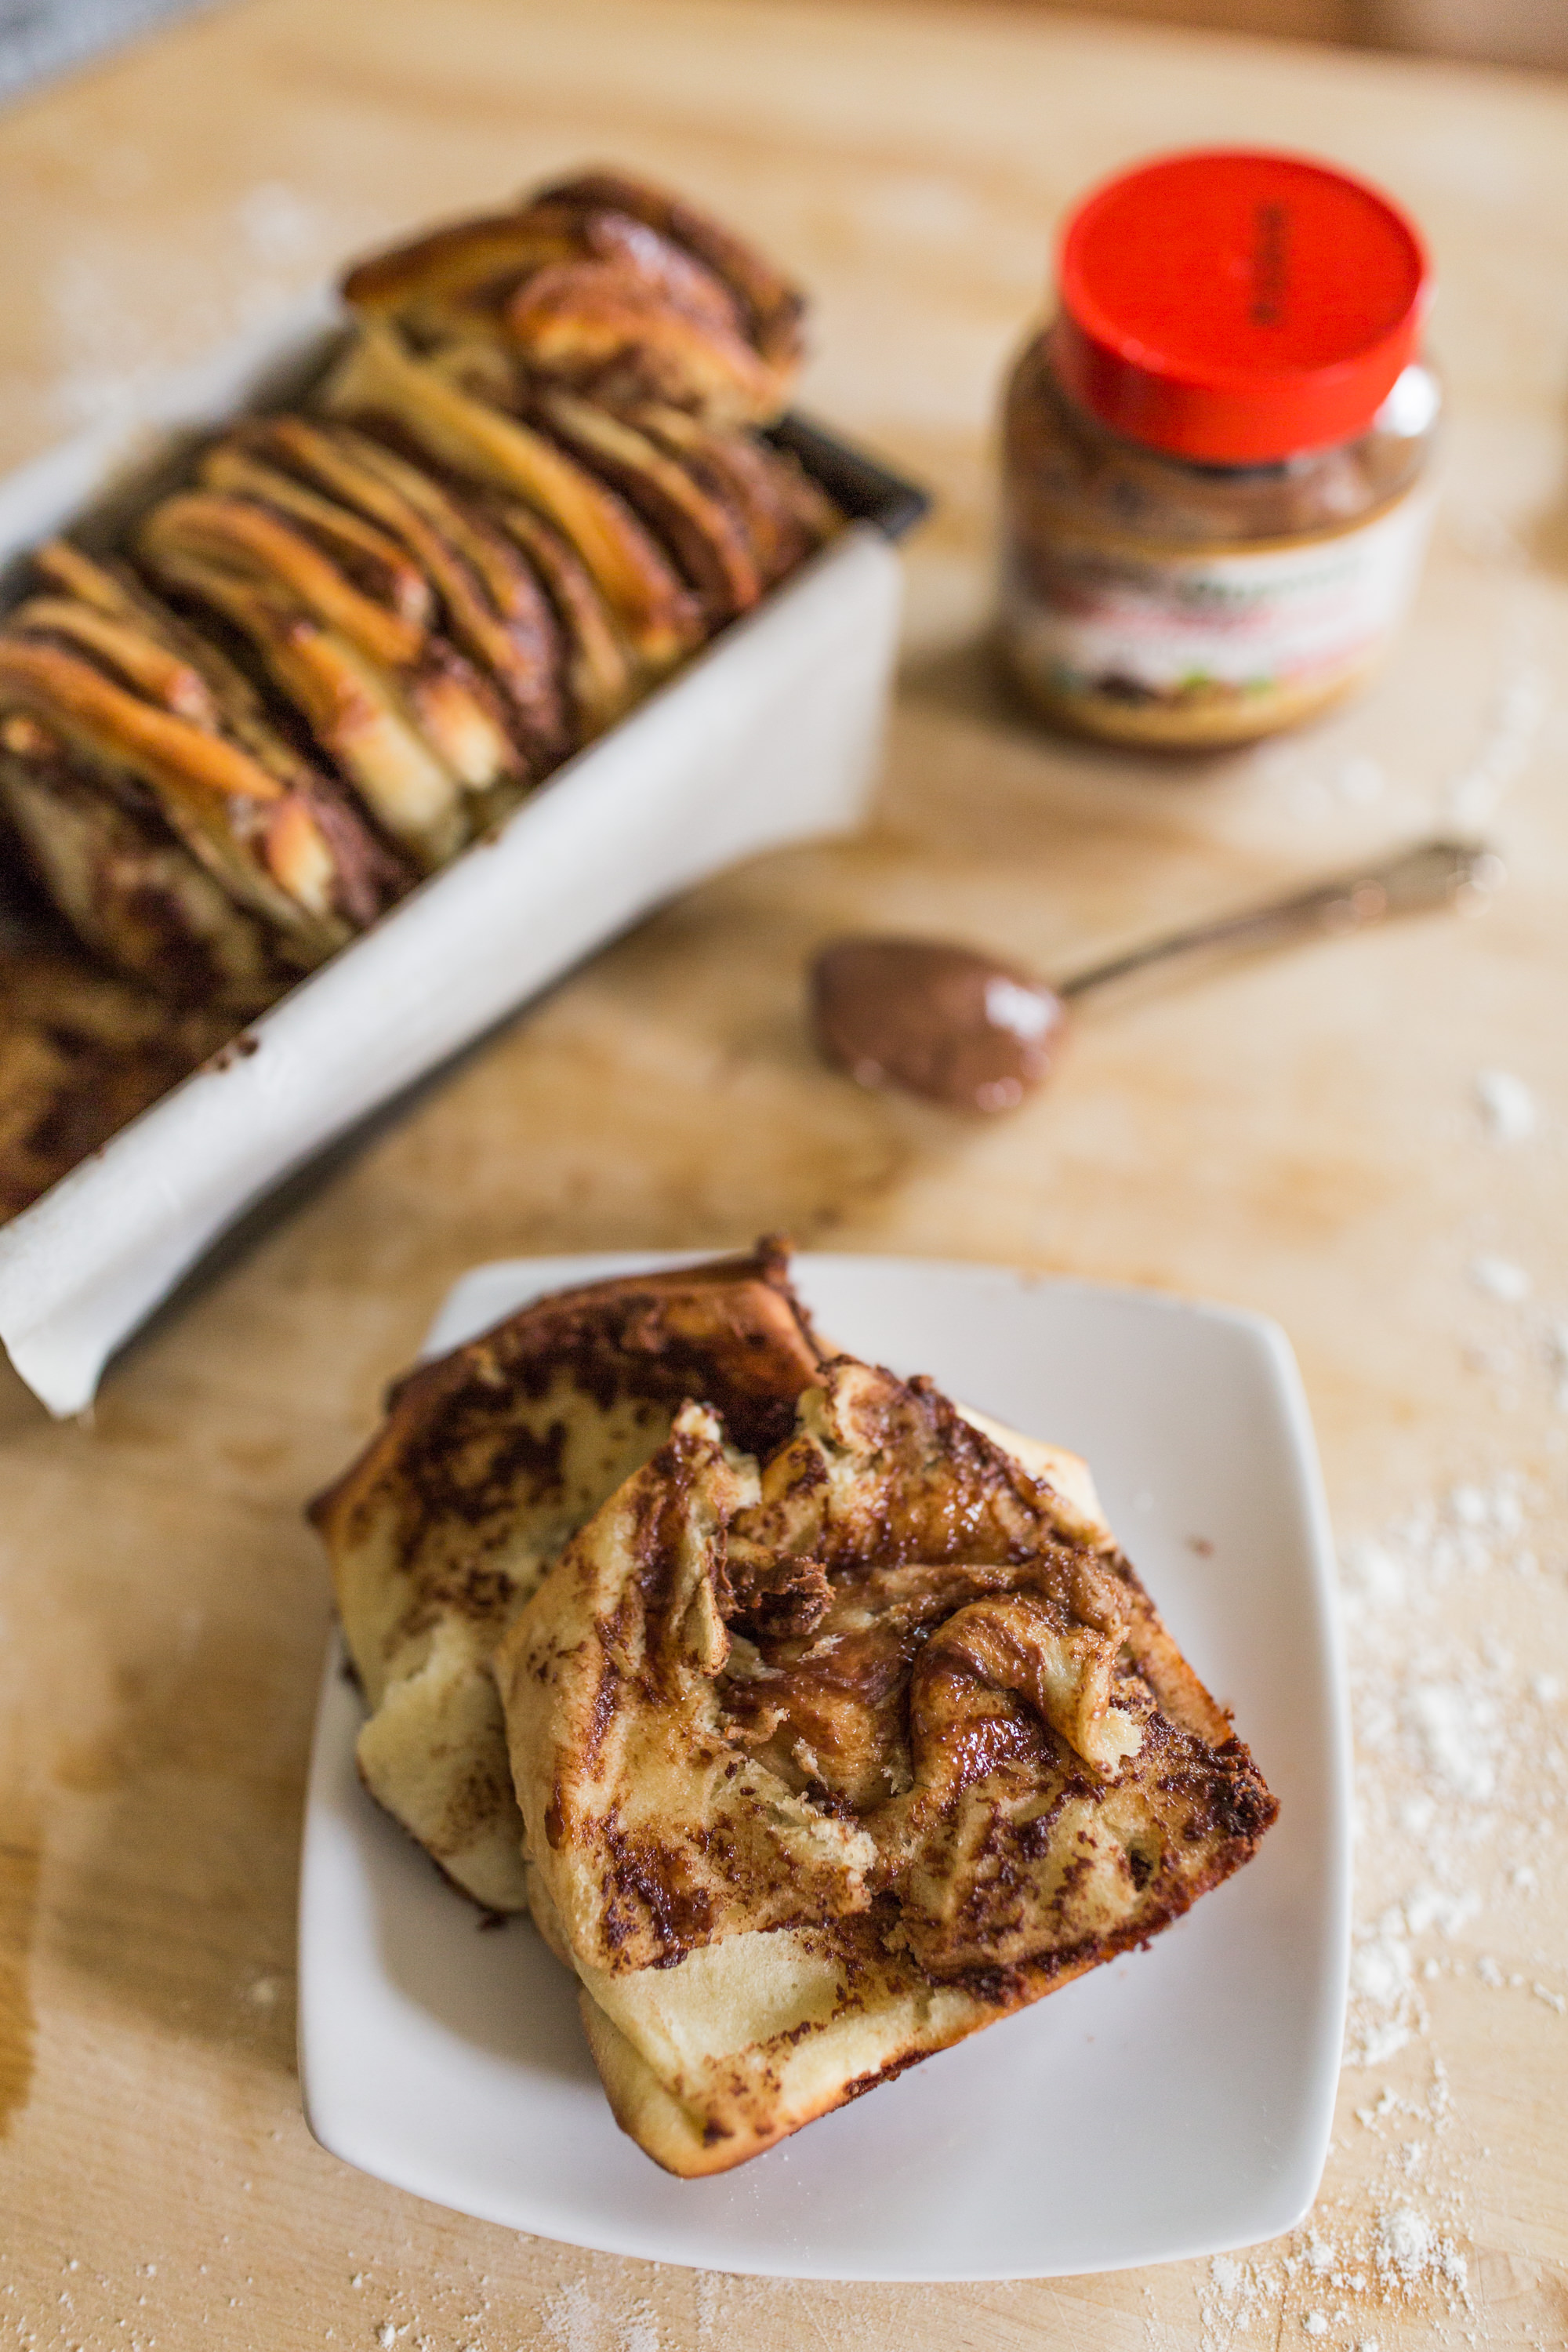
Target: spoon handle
(1432, 874)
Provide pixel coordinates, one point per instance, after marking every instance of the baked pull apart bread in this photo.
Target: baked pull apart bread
(343, 642)
(184, 837)
(829, 1754)
(611, 357)
(608, 283)
(488, 1461)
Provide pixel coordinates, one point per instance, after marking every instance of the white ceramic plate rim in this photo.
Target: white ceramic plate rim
(347, 1842)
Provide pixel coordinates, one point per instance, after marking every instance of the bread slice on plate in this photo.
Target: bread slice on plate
(829, 1759)
(489, 1460)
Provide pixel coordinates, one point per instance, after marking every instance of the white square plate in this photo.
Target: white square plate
(1175, 2103)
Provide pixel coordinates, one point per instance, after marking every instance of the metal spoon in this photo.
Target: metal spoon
(967, 1031)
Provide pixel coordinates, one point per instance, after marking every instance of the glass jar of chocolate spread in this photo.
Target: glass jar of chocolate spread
(1216, 495)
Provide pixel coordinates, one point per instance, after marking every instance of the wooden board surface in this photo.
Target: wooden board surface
(1303, 1137)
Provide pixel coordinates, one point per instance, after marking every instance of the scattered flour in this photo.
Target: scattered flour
(575, 2321)
(1500, 1277)
(1506, 1106)
(1509, 735)
(1457, 1725)
(1462, 1783)
(277, 223)
(1235, 2292)
(1360, 780)
(1409, 2247)
(1433, 1908)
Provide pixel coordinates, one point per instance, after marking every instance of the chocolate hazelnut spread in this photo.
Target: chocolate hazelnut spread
(960, 1028)
(1214, 506)
(973, 1033)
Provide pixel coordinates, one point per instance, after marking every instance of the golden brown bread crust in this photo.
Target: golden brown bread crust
(368, 874)
(849, 2020)
(780, 511)
(597, 674)
(462, 269)
(271, 847)
(609, 286)
(640, 325)
(151, 668)
(402, 712)
(488, 1461)
(490, 598)
(773, 306)
(109, 689)
(266, 543)
(708, 542)
(378, 379)
(825, 1768)
(735, 513)
(727, 1330)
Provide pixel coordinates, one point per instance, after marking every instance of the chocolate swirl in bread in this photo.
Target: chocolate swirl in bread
(827, 1763)
(489, 1460)
(609, 286)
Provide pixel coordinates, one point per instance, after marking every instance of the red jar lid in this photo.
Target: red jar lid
(1235, 307)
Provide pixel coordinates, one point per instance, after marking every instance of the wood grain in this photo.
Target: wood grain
(1299, 1135)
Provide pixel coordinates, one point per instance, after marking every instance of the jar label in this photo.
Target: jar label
(1194, 631)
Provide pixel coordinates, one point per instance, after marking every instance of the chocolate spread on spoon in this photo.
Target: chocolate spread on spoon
(973, 1033)
(960, 1028)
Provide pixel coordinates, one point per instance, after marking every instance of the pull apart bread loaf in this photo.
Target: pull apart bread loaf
(829, 1759)
(537, 476)
(490, 1459)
